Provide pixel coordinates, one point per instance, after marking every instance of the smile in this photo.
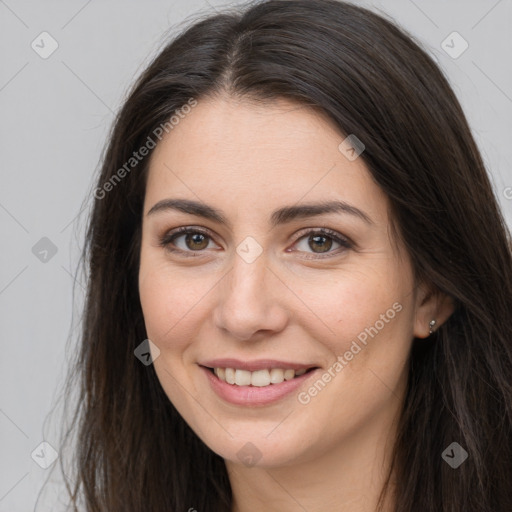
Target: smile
(258, 378)
(256, 383)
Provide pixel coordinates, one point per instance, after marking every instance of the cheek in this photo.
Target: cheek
(357, 304)
(170, 302)
(171, 305)
(365, 319)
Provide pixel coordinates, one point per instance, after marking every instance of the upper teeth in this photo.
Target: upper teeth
(258, 378)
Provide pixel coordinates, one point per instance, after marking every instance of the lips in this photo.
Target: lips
(256, 373)
(255, 382)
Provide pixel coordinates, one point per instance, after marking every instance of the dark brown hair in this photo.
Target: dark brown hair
(134, 452)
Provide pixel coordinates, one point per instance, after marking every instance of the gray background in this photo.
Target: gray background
(55, 116)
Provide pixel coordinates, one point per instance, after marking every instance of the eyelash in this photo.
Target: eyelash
(171, 236)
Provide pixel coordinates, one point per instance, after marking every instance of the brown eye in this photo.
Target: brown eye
(321, 241)
(186, 240)
(195, 241)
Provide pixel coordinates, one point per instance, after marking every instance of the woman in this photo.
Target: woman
(227, 363)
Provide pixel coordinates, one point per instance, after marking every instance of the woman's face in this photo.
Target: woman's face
(258, 290)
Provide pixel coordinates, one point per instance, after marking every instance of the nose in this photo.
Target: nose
(251, 300)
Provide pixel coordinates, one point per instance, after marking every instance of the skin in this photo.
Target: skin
(293, 303)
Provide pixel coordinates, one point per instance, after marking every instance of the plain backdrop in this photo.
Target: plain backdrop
(56, 111)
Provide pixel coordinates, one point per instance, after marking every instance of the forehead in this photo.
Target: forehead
(229, 151)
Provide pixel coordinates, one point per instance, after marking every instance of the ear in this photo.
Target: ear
(431, 304)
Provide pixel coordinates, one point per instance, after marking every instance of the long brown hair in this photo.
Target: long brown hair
(133, 450)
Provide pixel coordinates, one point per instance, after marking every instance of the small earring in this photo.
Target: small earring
(431, 326)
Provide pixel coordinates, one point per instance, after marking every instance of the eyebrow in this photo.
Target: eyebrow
(280, 216)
